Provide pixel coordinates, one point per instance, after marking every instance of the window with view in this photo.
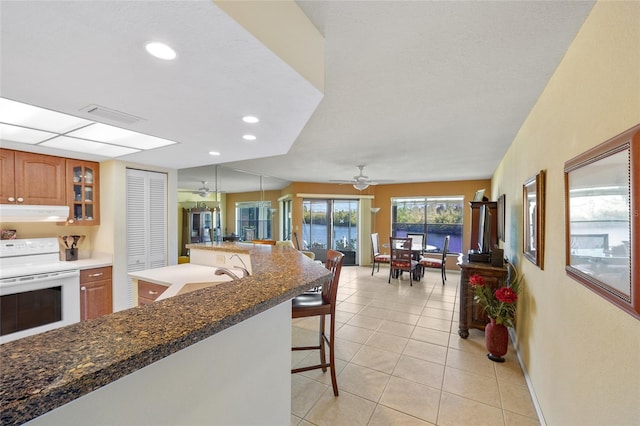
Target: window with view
(253, 220)
(436, 217)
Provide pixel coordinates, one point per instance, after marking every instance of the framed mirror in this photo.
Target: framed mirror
(533, 196)
(601, 198)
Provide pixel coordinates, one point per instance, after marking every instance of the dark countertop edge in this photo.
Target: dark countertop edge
(29, 405)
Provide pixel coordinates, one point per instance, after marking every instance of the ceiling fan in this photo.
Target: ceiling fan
(204, 191)
(360, 181)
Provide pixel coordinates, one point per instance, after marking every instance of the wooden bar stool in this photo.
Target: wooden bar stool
(321, 304)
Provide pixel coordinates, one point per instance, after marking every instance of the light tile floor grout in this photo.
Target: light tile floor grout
(400, 360)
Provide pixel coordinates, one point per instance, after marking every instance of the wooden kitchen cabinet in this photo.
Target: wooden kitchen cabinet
(83, 198)
(32, 179)
(472, 315)
(148, 292)
(96, 297)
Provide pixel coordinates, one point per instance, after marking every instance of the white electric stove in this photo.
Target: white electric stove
(38, 292)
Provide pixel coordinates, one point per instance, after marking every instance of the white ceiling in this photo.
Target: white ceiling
(416, 90)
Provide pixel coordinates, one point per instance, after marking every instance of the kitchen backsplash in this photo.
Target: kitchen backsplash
(46, 229)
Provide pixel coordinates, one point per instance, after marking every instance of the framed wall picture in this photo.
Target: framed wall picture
(533, 200)
(602, 210)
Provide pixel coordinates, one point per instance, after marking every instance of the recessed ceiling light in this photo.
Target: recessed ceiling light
(214, 153)
(160, 50)
(250, 119)
(249, 138)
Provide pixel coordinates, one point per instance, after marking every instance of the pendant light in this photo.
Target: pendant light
(217, 203)
(261, 193)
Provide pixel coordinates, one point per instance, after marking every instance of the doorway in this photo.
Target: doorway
(330, 224)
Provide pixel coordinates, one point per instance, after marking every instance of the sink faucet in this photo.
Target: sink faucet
(241, 261)
(225, 271)
(245, 273)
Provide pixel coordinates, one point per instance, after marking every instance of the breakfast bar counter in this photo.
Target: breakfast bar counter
(161, 348)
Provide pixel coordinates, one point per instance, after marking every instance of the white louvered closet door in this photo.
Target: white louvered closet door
(146, 222)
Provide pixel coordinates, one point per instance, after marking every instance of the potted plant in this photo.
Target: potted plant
(500, 306)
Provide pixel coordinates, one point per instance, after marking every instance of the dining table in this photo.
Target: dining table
(416, 251)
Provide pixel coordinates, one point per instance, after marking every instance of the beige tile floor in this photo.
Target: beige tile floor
(400, 361)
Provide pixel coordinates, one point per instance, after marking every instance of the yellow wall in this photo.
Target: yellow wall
(581, 352)
(467, 188)
(47, 229)
(286, 30)
(374, 196)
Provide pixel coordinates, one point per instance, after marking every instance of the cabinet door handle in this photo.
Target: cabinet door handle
(153, 292)
(83, 288)
(98, 274)
(20, 199)
(11, 199)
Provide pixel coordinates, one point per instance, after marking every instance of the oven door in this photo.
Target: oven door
(34, 304)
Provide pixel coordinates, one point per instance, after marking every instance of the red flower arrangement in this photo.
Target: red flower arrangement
(500, 304)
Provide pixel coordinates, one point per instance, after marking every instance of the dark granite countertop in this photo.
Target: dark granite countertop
(42, 372)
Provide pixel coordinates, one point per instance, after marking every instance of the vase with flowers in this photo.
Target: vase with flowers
(500, 307)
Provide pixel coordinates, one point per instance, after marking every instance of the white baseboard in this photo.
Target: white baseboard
(532, 392)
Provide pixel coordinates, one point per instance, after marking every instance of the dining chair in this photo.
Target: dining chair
(375, 253)
(402, 259)
(417, 240)
(431, 262)
(321, 304)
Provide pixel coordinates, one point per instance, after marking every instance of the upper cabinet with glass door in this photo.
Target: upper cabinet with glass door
(83, 192)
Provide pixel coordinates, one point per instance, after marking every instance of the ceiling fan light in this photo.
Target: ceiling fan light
(360, 186)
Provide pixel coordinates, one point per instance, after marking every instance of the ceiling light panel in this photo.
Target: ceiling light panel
(19, 134)
(115, 135)
(89, 147)
(39, 118)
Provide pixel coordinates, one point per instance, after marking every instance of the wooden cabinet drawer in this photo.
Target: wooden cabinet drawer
(95, 274)
(96, 293)
(149, 292)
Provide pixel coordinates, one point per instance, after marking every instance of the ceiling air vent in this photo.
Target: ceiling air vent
(111, 114)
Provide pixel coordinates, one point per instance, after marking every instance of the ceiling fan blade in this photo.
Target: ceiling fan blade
(342, 181)
(379, 181)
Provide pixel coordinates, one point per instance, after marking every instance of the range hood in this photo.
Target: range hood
(25, 213)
